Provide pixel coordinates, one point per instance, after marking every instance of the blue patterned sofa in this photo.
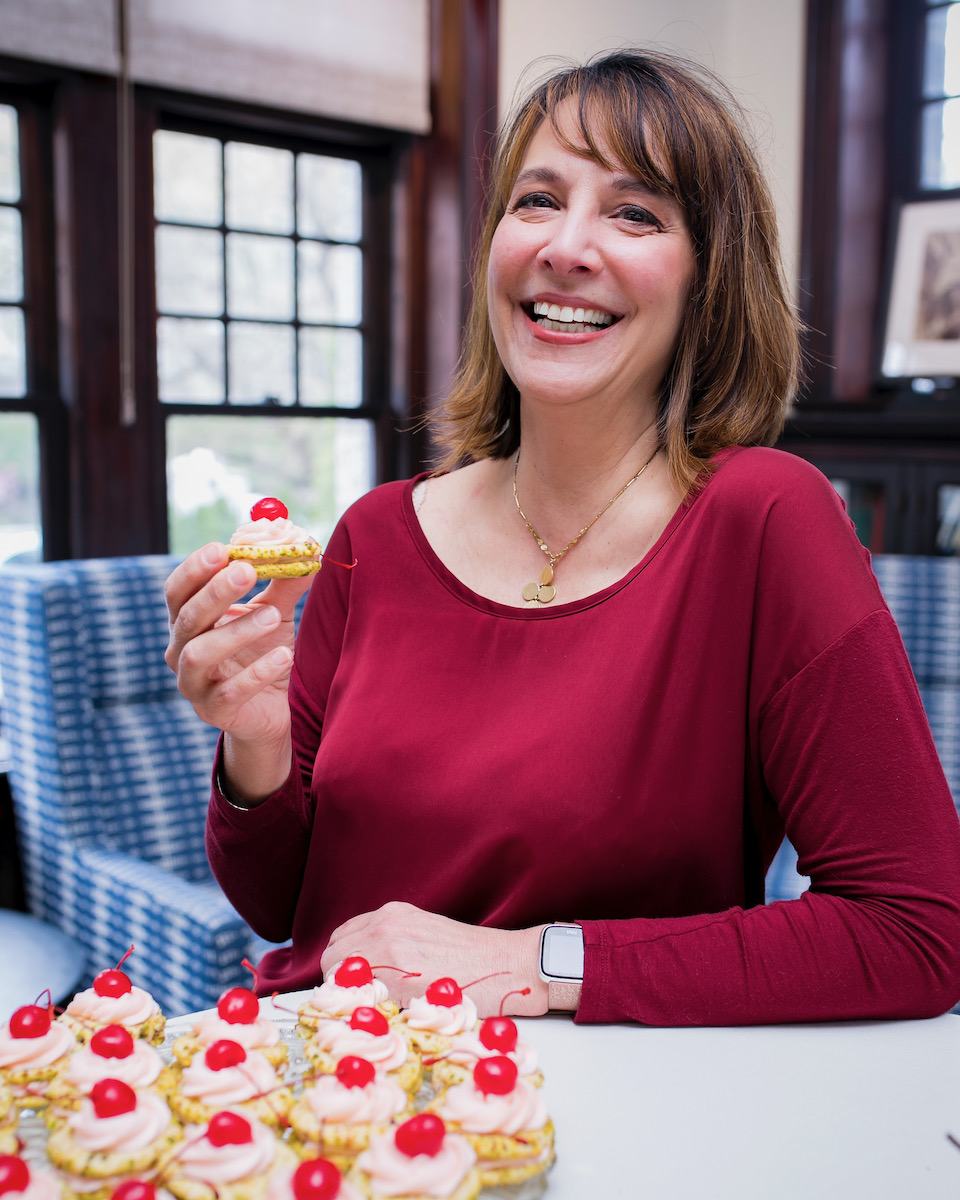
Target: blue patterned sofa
(924, 597)
(110, 775)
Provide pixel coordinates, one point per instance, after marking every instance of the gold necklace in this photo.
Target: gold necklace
(543, 592)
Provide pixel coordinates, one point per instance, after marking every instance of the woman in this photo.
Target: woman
(595, 673)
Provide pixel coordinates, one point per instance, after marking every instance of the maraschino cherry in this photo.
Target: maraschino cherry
(134, 1189)
(112, 1098)
(229, 1129)
(14, 1174)
(113, 983)
(269, 507)
(445, 992)
(370, 1020)
(316, 1179)
(353, 1071)
(499, 1033)
(422, 1134)
(353, 972)
(224, 1053)
(112, 1041)
(240, 1006)
(30, 1021)
(495, 1076)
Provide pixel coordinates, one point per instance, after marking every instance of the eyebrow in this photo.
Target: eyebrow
(620, 183)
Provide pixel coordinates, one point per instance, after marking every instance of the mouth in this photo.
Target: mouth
(567, 319)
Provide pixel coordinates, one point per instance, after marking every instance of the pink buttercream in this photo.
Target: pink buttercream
(212, 1028)
(230, 1085)
(42, 1186)
(394, 1173)
(140, 1069)
(132, 1008)
(20, 1053)
(330, 1100)
(281, 1188)
(201, 1159)
(466, 1049)
(387, 1051)
(128, 1131)
(339, 1001)
(522, 1108)
(265, 532)
(438, 1018)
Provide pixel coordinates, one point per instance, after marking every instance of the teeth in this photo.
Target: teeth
(568, 315)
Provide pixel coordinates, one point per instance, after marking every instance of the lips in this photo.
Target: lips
(565, 318)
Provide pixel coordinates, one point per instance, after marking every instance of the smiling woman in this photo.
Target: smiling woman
(592, 668)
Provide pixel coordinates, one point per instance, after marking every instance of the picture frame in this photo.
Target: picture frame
(922, 334)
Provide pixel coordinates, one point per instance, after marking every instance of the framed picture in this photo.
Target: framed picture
(923, 310)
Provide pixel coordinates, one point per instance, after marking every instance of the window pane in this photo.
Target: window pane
(941, 69)
(328, 198)
(259, 277)
(329, 283)
(261, 359)
(218, 467)
(9, 154)
(11, 255)
(948, 519)
(13, 357)
(20, 534)
(259, 188)
(188, 178)
(189, 270)
(940, 149)
(190, 361)
(331, 367)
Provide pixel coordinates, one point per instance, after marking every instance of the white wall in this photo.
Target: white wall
(757, 46)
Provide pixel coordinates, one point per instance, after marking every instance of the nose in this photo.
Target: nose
(571, 245)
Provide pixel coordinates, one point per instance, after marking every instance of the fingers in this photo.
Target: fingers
(283, 594)
(200, 591)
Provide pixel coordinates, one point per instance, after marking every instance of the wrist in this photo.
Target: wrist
(560, 964)
(247, 774)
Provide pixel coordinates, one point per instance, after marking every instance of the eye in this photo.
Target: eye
(636, 215)
(534, 200)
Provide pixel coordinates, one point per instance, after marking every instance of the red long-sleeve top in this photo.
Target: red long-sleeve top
(630, 760)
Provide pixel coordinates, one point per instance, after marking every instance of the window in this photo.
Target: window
(263, 330)
(939, 167)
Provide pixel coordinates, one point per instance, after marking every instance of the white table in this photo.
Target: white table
(849, 1111)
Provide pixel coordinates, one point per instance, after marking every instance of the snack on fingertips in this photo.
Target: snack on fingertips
(273, 544)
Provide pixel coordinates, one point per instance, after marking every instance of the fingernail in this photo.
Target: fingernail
(266, 615)
(211, 555)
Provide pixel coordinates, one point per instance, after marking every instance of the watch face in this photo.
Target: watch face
(562, 952)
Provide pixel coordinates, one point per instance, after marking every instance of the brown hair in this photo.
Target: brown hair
(678, 130)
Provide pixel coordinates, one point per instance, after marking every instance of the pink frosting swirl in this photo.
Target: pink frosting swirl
(212, 1028)
(438, 1018)
(201, 1159)
(140, 1069)
(339, 1001)
(18, 1053)
(522, 1108)
(134, 1130)
(387, 1051)
(466, 1049)
(42, 1186)
(394, 1173)
(330, 1100)
(230, 1085)
(267, 532)
(281, 1188)
(132, 1008)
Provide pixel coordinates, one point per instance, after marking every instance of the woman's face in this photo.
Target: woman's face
(588, 278)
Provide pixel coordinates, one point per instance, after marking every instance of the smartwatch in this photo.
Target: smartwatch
(561, 963)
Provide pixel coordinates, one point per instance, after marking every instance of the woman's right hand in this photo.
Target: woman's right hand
(233, 661)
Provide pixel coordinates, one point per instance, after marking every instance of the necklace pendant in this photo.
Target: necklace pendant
(530, 592)
(536, 594)
(546, 575)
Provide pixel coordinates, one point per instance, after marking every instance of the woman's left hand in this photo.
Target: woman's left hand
(402, 935)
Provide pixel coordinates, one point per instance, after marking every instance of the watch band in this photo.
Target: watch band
(563, 997)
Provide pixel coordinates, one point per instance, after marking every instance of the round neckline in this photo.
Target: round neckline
(458, 588)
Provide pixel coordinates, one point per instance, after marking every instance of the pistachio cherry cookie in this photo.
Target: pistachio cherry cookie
(432, 1020)
(367, 1034)
(9, 1142)
(504, 1119)
(229, 1158)
(116, 1134)
(225, 1075)
(271, 542)
(314, 1179)
(114, 1000)
(34, 1048)
(237, 1019)
(418, 1160)
(336, 1114)
(111, 1053)
(20, 1180)
(495, 1036)
(350, 985)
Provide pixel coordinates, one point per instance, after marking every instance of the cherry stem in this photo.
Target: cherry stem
(516, 992)
(245, 962)
(951, 1138)
(346, 566)
(282, 1007)
(492, 975)
(125, 957)
(45, 992)
(405, 974)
